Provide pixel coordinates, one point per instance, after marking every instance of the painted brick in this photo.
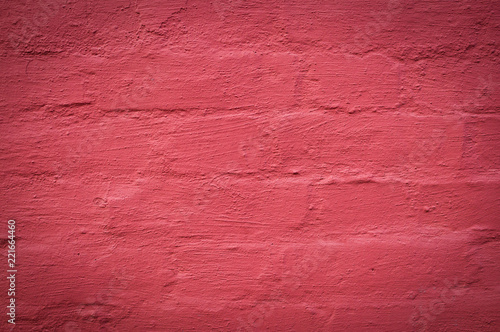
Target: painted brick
(251, 165)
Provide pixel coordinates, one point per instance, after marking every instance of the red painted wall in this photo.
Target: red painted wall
(251, 165)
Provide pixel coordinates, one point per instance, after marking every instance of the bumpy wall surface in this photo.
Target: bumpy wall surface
(281, 165)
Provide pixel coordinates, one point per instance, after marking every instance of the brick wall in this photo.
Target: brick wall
(251, 165)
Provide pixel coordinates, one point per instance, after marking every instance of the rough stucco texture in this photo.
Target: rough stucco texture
(251, 165)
